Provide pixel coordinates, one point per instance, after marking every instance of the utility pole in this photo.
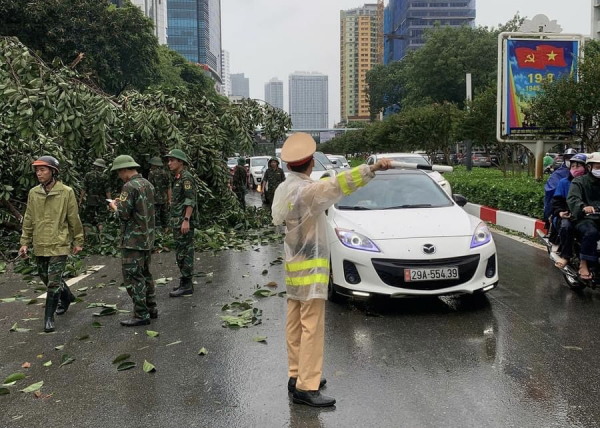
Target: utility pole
(468, 154)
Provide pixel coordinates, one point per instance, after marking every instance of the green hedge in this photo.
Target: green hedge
(517, 194)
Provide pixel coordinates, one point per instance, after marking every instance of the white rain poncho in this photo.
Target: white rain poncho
(301, 202)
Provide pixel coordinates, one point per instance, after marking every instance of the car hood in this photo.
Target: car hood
(408, 223)
(436, 176)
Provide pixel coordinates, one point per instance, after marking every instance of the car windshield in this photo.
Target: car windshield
(258, 161)
(232, 161)
(341, 159)
(419, 160)
(397, 191)
(318, 166)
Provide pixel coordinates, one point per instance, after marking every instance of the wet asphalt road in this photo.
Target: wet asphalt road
(524, 356)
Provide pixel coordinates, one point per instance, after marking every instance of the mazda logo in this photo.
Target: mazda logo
(429, 249)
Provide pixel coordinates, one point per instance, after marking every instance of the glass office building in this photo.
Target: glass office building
(406, 21)
(194, 30)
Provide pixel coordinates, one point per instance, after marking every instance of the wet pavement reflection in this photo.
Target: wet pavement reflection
(522, 356)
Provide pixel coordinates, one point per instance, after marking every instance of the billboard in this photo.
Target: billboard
(528, 64)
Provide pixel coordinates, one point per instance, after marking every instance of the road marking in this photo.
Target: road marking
(73, 281)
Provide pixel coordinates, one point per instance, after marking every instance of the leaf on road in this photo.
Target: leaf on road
(152, 333)
(59, 347)
(100, 305)
(105, 312)
(265, 272)
(32, 301)
(246, 275)
(148, 367)
(125, 366)
(226, 307)
(14, 377)
(120, 358)
(96, 324)
(162, 281)
(33, 387)
(8, 300)
(174, 343)
(25, 365)
(203, 351)
(85, 336)
(260, 339)
(47, 363)
(272, 284)
(66, 359)
(82, 289)
(573, 348)
(282, 293)
(14, 328)
(263, 292)
(4, 391)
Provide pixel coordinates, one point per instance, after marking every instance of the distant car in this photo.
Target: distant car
(339, 161)
(481, 159)
(440, 159)
(413, 158)
(256, 166)
(401, 235)
(324, 160)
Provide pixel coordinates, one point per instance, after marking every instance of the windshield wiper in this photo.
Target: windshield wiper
(354, 208)
(409, 206)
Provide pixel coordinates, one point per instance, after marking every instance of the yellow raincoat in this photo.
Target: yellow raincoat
(301, 202)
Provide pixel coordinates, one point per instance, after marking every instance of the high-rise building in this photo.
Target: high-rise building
(407, 20)
(274, 93)
(309, 100)
(225, 73)
(240, 85)
(157, 11)
(595, 19)
(359, 52)
(194, 30)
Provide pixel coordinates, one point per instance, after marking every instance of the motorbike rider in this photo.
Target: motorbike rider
(583, 200)
(561, 216)
(550, 187)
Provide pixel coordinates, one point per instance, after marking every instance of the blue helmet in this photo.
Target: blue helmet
(580, 158)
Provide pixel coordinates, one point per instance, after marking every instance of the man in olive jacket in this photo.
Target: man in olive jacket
(51, 223)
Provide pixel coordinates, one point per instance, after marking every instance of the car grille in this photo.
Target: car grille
(391, 271)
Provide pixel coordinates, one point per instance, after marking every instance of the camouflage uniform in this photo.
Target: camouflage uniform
(135, 207)
(274, 177)
(239, 185)
(161, 180)
(95, 184)
(183, 194)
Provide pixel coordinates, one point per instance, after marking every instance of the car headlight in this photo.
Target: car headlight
(481, 236)
(356, 241)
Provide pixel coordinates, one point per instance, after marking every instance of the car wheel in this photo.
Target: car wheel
(333, 295)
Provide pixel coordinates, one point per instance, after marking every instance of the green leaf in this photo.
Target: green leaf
(8, 300)
(14, 377)
(120, 358)
(265, 272)
(14, 328)
(59, 347)
(105, 312)
(65, 360)
(152, 333)
(85, 336)
(149, 367)
(282, 293)
(263, 292)
(203, 351)
(33, 387)
(126, 366)
(260, 339)
(47, 363)
(4, 391)
(96, 324)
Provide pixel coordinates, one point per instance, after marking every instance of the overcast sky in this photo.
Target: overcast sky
(273, 38)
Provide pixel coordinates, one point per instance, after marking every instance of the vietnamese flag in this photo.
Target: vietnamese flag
(552, 56)
(529, 58)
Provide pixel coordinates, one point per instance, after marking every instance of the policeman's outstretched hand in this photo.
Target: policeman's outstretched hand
(77, 250)
(23, 250)
(381, 165)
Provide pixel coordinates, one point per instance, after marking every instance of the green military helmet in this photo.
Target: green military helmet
(100, 162)
(123, 162)
(241, 161)
(178, 154)
(274, 159)
(156, 161)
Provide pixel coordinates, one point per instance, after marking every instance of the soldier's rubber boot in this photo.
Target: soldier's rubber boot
(186, 288)
(134, 322)
(178, 286)
(65, 299)
(51, 304)
(153, 312)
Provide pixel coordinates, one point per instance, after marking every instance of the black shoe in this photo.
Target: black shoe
(186, 288)
(134, 322)
(312, 398)
(65, 300)
(51, 304)
(292, 383)
(153, 313)
(178, 286)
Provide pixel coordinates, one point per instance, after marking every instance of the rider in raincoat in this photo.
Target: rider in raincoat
(301, 202)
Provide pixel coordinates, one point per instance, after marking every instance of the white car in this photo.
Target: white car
(413, 158)
(256, 167)
(339, 161)
(402, 235)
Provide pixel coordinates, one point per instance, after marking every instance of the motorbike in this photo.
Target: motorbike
(570, 271)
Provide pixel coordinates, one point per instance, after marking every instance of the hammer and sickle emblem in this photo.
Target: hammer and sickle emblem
(530, 58)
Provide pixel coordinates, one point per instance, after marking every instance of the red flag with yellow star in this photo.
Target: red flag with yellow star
(552, 56)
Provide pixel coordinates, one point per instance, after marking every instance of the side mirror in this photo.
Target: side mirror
(460, 200)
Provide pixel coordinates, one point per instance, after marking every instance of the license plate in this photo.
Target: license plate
(431, 274)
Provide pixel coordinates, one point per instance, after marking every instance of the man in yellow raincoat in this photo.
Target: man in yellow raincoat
(301, 202)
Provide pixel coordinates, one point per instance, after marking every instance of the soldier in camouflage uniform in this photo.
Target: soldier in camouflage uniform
(184, 219)
(135, 209)
(274, 176)
(239, 182)
(97, 189)
(161, 180)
